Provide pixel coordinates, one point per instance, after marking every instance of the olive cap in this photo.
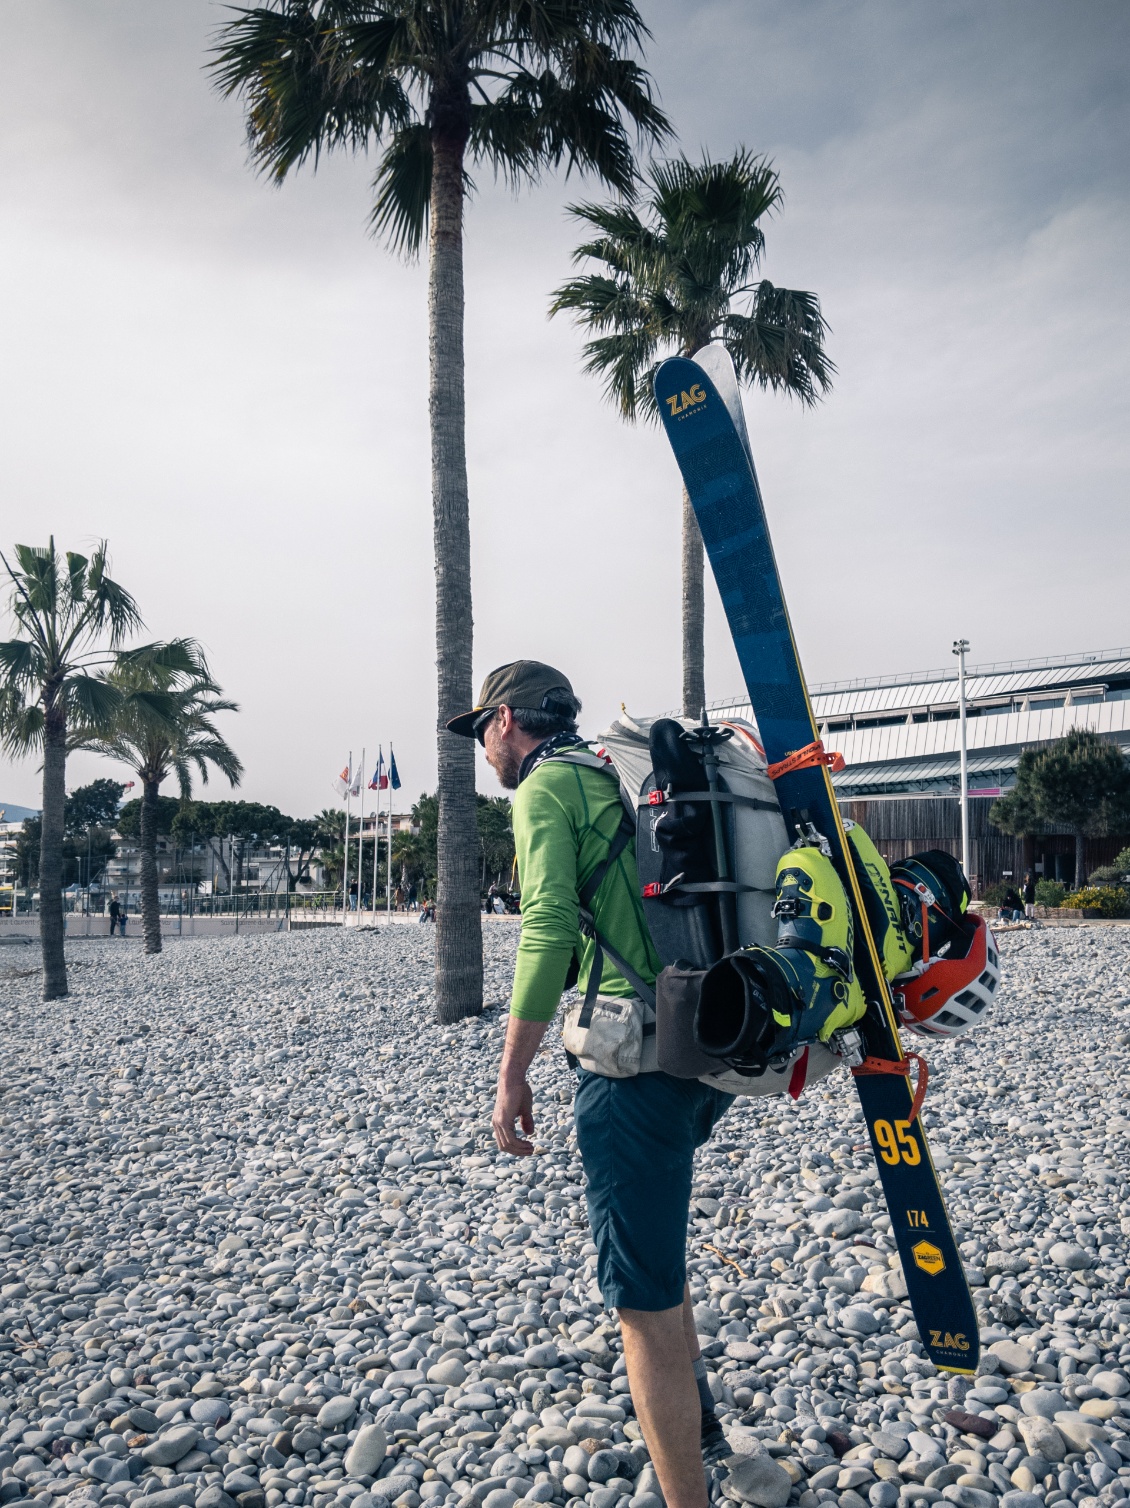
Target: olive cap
(526, 684)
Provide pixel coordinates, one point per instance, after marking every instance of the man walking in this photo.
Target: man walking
(637, 1136)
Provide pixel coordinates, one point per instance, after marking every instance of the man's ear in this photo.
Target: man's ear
(505, 720)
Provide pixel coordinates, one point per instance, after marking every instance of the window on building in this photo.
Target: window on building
(1045, 703)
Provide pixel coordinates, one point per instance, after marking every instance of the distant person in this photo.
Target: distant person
(1012, 907)
(411, 897)
(1029, 893)
(428, 911)
(115, 914)
(353, 895)
(398, 898)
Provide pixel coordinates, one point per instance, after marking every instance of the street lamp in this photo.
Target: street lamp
(961, 649)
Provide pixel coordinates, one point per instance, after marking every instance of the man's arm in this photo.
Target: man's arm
(514, 1100)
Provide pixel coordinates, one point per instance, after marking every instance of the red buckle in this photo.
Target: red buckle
(799, 759)
(655, 798)
(655, 888)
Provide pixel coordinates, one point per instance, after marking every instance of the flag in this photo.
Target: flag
(393, 776)
(342, 782)
(380, 779)
(355, 788)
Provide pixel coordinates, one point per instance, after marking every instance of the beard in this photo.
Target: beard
(506, 764)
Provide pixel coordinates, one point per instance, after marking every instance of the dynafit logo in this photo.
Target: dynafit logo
(927, 1256)
(678, 403)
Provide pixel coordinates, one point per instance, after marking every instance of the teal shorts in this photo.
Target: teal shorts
(638, 1139)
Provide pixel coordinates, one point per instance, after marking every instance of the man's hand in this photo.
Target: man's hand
(514, 1100)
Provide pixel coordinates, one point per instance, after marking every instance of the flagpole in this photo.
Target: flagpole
(376, 840)
(361, 838)
(345, 876)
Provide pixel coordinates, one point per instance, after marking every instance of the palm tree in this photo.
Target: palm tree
(518, 86)
(71, 618)
(164, 727)
(671, 279)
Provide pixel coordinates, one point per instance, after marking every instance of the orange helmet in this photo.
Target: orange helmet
(954, 989)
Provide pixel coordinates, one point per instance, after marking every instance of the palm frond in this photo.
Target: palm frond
(625, 363)
(781, 344)
(106, 604)
(21, 725)
(21, 662)
(313, 78)
(93, 700)
(403, 190)
(179, 657)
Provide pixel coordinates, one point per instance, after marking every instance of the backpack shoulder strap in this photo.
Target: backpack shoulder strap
(587, 895)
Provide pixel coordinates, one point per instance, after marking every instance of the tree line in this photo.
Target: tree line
(68, 682)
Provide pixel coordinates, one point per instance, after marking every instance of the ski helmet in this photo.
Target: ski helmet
(934, 894)
(953, 991)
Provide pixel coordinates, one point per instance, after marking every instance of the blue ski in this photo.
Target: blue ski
(707, 434)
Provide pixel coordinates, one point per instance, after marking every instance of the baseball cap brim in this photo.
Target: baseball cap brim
(464, 724)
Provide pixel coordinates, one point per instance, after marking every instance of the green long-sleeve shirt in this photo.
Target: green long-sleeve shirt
(565, 817)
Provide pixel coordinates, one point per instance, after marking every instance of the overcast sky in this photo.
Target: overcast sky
(228, 380)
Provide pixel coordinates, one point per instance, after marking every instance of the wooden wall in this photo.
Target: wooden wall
(904, 825)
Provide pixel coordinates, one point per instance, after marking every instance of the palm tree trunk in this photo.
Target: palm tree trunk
(150, 901)
(52, 927)
(1080, 861)
(694, 671)
(459, 939)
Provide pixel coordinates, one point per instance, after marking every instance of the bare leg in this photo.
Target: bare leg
(693, 1349)
(658, 1353)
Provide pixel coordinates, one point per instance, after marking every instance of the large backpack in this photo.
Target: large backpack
(757, 995)
(665, 787)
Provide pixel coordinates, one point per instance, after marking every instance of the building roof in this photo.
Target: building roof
(900, 734)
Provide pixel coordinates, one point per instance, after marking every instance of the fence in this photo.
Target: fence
(304, 908)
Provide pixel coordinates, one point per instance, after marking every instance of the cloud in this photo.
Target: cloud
(229, 380)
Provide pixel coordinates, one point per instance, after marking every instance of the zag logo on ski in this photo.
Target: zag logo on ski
(718, 472)
(678, 403)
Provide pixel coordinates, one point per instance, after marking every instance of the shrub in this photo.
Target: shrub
(1106, 900)
(1115, 872)
(1050, 893)
(993, 895)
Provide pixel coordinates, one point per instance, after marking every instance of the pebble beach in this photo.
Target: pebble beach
(257, 1247)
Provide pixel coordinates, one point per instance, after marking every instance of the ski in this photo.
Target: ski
(700, 406)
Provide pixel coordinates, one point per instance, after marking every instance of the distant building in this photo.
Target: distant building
(900, 736)
(9, 836)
